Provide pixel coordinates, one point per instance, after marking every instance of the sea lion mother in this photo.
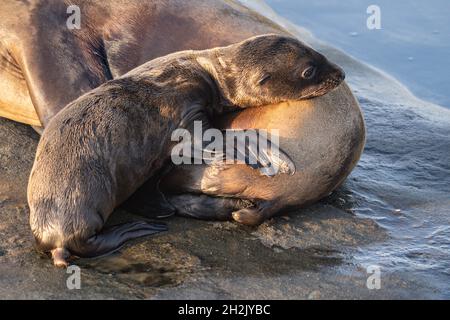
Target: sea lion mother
(98, 150)
(325, 137)
(44, 65)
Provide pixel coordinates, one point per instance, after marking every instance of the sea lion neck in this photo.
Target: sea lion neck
(215, 63)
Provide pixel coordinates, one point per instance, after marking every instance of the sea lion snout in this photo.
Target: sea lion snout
(329, 78)
(336, 77)
(271, 68)
(336, 73)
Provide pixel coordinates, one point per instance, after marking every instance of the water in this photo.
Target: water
(403, 179)
(413, 43)
(402, 183)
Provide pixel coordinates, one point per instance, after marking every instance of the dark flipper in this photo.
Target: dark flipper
(260, 152)
(148, 201)
(45, 61)
(251, 146)
(215, 208)
(107, 241)
(205, 207)
(266, 157)
(112, 239)
(253, 216)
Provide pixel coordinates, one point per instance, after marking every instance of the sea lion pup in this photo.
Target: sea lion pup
(99, 149)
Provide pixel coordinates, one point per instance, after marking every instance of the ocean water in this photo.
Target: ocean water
(400, 75)
(413, 43)
(401, 187)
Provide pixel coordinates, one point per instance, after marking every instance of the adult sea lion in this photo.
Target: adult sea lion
(99, 149)
(325, 137)
(44, 65)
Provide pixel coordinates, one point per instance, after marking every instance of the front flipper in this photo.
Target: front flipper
(202, 144)
(204, 207)
(57, 72)
(270, 159)
(148, 201)
(250, 147)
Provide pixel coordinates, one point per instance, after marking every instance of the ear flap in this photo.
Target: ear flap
(264, 79)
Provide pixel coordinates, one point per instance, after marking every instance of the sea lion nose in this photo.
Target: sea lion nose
(339, 74)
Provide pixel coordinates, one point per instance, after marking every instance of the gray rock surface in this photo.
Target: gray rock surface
(393, 211)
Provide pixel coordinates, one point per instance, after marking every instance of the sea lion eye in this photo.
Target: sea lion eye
(309, 72)
(264, 79)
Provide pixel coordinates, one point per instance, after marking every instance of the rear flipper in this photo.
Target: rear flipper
(216, 208)
(253, 216)
(107, 241)
(205, 207)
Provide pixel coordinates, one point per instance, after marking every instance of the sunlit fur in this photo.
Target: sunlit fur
(99, 149)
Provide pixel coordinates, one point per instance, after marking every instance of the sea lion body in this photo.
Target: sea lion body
(99, 149)
(44, 65)
(325, 137)
(40, 74)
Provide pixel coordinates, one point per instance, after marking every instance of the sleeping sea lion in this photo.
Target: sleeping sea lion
(325, 137)
(40, 72)
(44, 64)
(99, 149)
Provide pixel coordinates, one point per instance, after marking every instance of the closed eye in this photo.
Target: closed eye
(264, 79)
(309, 72)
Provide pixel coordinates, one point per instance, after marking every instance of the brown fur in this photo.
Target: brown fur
(99, 149)
(325, 138)
(55, 65)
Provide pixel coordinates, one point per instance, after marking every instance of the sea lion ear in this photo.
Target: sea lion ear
(264, 79)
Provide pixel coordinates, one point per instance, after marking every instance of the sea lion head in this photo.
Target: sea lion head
(272, 69)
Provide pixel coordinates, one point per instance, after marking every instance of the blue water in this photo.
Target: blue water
(403, 178)
(413, 43)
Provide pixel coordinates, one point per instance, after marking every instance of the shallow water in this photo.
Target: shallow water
(413, 43)
(403, 179)
(393, 211)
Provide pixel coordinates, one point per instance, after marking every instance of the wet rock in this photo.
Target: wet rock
(321, 252)
(319, 226)
(315, 295)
